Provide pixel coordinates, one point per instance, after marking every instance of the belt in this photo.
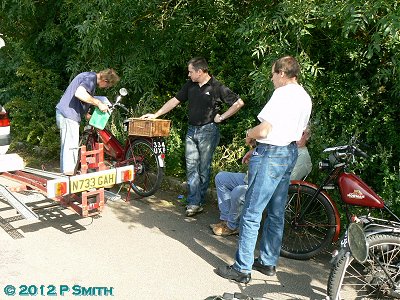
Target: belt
(265, 144)
(201, 125)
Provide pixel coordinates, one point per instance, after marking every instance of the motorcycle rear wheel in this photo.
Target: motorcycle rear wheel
(367, 280)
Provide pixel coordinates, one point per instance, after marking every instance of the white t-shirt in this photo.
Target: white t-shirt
(288, 111)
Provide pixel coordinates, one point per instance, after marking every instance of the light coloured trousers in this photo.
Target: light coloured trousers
(69, 134)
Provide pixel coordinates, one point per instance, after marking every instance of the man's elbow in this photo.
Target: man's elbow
(239, 104)
(263, 133)
(264, 129)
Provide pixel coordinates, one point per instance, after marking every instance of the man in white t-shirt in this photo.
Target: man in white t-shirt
(283, 120)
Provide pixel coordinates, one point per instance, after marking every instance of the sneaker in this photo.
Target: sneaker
(229, 272)
(217, 224)
(191, 210)
(267, 270)
(224, 230)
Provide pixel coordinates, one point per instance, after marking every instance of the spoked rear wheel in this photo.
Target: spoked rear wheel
(368, 280)
(310, 224)
(148, 172)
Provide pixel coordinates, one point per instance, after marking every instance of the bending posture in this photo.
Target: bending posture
(282, 121)
(205, 96)
(73, 105)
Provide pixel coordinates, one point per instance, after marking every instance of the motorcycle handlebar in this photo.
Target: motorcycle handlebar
(122, 106)
(359, 152)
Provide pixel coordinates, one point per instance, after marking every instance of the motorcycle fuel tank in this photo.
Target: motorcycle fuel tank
(354, 191)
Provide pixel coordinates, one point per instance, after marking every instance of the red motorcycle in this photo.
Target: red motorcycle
(312, 217)
(4, 131)
(145, 153)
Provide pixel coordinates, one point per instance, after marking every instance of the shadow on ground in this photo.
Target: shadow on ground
(165, 213)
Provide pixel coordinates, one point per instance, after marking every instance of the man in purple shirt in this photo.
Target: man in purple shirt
(74, 105)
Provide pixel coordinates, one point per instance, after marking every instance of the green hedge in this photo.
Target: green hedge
(349, 52)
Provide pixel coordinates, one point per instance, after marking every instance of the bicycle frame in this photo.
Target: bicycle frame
(116, 150)
(145, 153)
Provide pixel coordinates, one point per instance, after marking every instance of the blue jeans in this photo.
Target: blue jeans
(69, 134)
(231, 190)
(201, 142)
(269, 177)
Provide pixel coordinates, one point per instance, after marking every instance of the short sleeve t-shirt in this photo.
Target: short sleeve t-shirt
(288, 111)
(70, 106)
(205, 102)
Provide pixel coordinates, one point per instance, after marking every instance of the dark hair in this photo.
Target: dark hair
(289, 65)
(199, 63)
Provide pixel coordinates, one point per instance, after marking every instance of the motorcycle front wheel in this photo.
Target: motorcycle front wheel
(368, 280)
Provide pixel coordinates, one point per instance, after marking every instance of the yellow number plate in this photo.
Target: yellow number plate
(89, 181)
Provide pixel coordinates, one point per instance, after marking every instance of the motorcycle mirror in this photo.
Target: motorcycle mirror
(123, 92)
(357, 242)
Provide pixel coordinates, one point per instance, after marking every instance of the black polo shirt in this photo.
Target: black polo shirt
(206, 101)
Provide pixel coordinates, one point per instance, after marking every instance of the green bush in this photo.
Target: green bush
(349, 53)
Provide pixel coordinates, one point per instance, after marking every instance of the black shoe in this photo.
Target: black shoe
(267, 270)
(229, 272)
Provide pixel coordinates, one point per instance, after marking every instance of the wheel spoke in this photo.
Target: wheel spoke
(369, 280)
(309, 223)
(148, 173)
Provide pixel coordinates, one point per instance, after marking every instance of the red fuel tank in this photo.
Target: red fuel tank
(354, 191)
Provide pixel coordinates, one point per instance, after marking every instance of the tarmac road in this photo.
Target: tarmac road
(141, 249)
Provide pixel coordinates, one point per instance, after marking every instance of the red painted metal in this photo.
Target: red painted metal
(28, 180)
(355, 191)
(83, 204)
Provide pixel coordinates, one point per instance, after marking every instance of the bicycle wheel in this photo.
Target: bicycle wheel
(368, 280)
(148, 172)
(307, 233)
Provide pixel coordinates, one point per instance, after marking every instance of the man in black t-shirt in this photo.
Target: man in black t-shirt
(205, 96)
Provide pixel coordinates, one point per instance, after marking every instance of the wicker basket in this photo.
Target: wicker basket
(149, 127)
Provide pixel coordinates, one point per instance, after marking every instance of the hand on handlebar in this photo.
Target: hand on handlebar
(148, 116)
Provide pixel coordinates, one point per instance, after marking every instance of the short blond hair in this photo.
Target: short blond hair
(109, 75)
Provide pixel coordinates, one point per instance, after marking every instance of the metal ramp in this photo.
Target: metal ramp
(21, 207)
(43, 173)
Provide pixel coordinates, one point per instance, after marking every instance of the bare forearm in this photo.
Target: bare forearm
(231, 111)
(260, 131)
(168, 106)
(84, 96)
